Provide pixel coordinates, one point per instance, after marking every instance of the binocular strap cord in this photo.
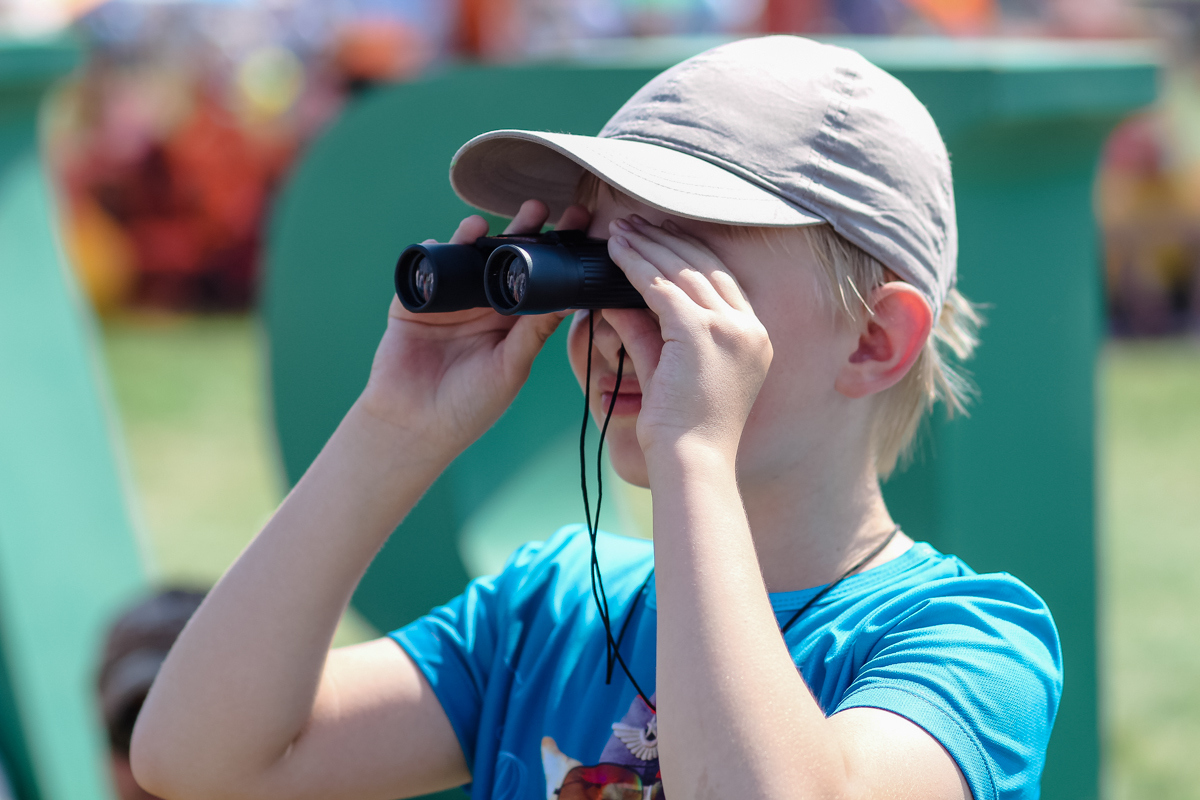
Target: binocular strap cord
(812, 601)
(612, 648)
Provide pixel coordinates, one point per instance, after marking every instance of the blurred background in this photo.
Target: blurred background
(169, 141)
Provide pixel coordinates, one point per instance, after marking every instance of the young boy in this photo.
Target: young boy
(786, 211)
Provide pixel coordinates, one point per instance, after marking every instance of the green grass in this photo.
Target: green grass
(1150, 512)
(192, 408)
(191, 394)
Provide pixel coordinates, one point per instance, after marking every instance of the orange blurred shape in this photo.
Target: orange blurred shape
(959, 17)
(101, 253)
(488, 29)
(380, 50)
(77, 8)
(222, 173)
(794, 16)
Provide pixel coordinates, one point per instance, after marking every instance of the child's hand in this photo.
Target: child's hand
(701, 366)
(447, 377)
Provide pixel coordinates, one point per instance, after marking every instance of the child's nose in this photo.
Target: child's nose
(606, 340)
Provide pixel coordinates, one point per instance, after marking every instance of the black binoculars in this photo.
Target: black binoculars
(514, 274)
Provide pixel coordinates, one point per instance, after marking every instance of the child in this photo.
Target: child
(786, 211)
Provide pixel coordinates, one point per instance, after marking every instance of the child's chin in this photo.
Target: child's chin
(627, 458)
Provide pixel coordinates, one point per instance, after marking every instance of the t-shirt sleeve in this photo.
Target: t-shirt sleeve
(455, 645)
(979, 669)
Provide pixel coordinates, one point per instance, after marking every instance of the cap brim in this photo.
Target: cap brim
(498, 171)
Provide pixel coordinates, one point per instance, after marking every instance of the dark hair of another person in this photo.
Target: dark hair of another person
(134, 650)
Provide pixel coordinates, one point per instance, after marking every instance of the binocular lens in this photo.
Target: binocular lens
(514, 278)
(518, 274)
(424, 279)
(440, 277)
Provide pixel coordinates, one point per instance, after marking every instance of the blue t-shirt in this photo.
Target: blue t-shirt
(518, 663)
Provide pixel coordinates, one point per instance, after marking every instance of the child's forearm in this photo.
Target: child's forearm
(246, 706)
(239, 685)
(735, 717)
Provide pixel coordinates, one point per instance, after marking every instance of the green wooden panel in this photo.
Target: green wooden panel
(68, 558)
(1011, 488)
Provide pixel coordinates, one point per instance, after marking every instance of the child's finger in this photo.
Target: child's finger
(662, 296)
(717, 272)
(640, 336)
(688, 247)
(525, 339)
(530, 218)
(671, 266)
(469, 230)
(695, 252)
(575, 218)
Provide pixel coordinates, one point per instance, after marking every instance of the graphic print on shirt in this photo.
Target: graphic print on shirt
(628, 768)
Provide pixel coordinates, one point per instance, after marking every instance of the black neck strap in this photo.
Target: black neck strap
(829, 588)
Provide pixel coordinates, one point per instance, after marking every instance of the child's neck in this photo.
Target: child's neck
(813, 524)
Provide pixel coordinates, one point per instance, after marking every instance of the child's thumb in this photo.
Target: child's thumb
(525, 339)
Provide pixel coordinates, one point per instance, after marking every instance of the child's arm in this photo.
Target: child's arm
(735, 717)
(251, 703)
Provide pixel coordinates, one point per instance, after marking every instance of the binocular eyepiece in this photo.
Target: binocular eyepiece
(515, 274)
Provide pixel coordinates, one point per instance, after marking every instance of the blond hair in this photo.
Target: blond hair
(851, 276)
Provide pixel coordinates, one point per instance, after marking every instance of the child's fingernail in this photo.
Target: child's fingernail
(638, 220)
(621, 240)
(623, 225)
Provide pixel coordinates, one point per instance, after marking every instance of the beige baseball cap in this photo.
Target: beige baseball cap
(777, 131)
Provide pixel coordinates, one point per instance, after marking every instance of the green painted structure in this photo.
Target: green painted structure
(1011, 488)
(68, 555)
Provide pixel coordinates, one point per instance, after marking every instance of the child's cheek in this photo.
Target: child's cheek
(577, 345)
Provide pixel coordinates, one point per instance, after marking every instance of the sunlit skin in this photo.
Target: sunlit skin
(750, 431)
(123, 781)
(805, 450)
(749, 417)
(784, 295)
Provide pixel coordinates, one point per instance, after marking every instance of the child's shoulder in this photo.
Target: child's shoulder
(927, 596)
(925, 572)
(939, 574)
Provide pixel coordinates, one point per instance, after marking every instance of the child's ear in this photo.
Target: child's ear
(889, 341)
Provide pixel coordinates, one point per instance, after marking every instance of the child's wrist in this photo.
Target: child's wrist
(368, 476)
(390, 446)
(692, 457)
